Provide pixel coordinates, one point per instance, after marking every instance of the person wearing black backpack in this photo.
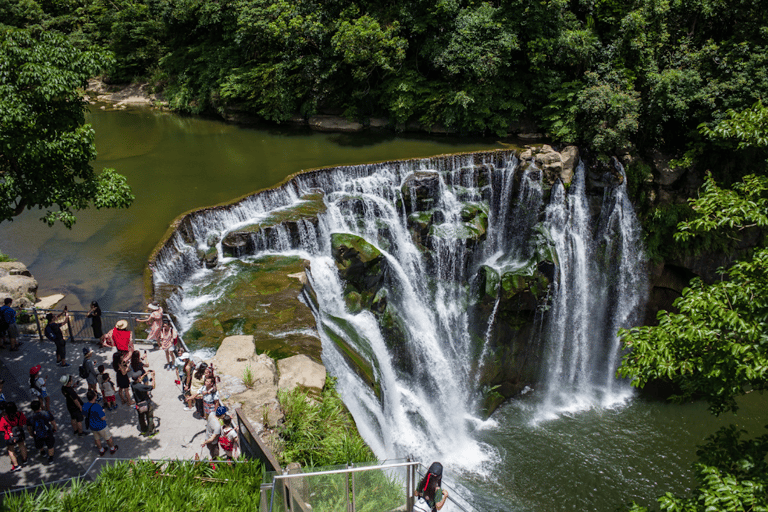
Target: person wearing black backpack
(41, 427)
(430, 497)
(53, 333)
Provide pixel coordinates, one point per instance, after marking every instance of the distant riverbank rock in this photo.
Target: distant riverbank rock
(17, 283)
(123, 95)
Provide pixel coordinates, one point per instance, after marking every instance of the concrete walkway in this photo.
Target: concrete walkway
(180, 432)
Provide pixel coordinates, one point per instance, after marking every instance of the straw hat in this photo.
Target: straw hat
(122, 324)
(153, 307)
(65, 379)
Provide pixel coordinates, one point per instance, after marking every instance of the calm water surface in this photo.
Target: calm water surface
(175, 164)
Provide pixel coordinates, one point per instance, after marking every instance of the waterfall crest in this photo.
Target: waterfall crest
(466, 247)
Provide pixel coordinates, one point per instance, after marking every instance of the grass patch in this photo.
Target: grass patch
(320, 431)
(147, 485)
(5, 257)
(249, 379)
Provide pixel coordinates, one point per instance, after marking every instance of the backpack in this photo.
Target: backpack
(421, 505)
(83, 371)
(40, 426)
(225, 442)
(3, 322)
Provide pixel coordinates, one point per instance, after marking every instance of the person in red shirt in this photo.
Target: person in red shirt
(12, 426)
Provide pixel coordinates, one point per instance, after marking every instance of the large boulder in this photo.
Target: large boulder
(17, 283)
(554, 165)
(235, 360)
(301, 371)
(360, 264)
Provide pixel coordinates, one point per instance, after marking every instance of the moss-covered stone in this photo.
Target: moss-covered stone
(244, 240)
(260, 298)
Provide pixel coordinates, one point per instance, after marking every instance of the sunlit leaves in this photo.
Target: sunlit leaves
(45, 149)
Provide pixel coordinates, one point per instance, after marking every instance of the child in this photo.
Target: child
(37, 387)
(107, 389)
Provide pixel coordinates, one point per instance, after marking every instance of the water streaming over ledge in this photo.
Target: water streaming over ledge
(432, 408)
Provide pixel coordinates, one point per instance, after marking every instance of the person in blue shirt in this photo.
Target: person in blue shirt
(96, 419)
(9, 318)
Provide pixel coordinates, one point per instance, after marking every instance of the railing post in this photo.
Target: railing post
(69, 328)
(37, 321)
(354, 500)
(410, 484)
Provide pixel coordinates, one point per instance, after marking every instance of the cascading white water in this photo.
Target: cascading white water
(431, 409)
(599, 287)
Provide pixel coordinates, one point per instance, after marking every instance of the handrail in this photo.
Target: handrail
(346, 470)
(78, 316)
(411, 465)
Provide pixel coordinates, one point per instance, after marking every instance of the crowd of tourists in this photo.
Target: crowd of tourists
(133, 384)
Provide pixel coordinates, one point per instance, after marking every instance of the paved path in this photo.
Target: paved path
(180, 433)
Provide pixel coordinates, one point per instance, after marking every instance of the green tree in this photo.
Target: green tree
(716, 346)
(45, 146)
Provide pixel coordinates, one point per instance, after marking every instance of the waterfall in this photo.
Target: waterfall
(429, 407)
(599, 288)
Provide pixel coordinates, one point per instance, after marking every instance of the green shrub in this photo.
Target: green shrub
(157, 486)
(320, 431)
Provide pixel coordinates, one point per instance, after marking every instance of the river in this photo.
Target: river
(595, 459)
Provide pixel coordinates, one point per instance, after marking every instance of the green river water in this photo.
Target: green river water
(594, 460)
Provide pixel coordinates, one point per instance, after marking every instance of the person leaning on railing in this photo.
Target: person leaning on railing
(120, 338)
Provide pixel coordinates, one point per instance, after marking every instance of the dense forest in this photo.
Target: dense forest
(603, 73)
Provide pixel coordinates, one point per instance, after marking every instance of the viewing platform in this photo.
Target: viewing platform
(180, 432)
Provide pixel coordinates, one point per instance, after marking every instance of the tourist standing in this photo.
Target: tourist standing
(121, 376)
(74, 403)
(12, 426)
(167, 339)
(229, 441)
(429, 494)
(97, 422)
(95, 315)
(213, 431)
(155, 320)
(142, 394)
(41, 427)
(91, 376)
(9, 320)
(37, 387)
(120, 338)
(107, 389)
(53, 333)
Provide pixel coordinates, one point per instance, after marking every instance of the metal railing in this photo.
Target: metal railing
(78, 325)
(345, 489)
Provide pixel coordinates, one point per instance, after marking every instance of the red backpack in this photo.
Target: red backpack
(225, 442)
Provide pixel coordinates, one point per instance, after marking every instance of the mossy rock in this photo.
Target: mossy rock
(360, 264)
(260, 298)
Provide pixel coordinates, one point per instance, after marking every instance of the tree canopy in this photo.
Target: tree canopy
(45, 146)
(606, 74)
(715, 347)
